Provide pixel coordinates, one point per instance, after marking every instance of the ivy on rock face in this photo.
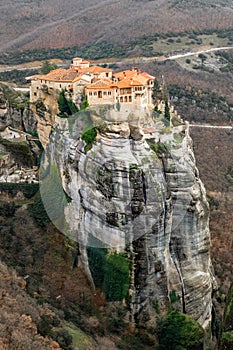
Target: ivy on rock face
(110, 271)
(116, 277)
(66, 106)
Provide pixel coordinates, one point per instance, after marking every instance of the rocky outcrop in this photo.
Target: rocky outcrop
(45, 110)
(14, 110)
(137, 190)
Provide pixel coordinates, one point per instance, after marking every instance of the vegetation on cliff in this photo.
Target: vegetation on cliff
(226, 336)
(179, 332)
(66, 105)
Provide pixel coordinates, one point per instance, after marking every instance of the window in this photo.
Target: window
(90, 93)
(121, 99)
(130, 98)
(105, 93)
(95, 93)
(106, 74)
(34, 93)
(109, 93)
(60, 85)
(126, 99)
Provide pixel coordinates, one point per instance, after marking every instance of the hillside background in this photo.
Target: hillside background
(57, 23)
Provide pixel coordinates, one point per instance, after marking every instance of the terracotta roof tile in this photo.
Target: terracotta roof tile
(124, 74)
(60, 74)
(130, 82)
(95, 69)
(143, 77)
(101, 84)
(147, 76)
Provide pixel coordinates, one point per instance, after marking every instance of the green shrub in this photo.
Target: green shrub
(66, 106)
(116, 277)
(38, 212)
(179, 332)
(7, 209)
(159, 148)
(84, 105)
(97, 261)
(19, 150)
(64, 339)
(47, 67)
(89, 137)
(173, 297)
(213, 202)
(28, 190)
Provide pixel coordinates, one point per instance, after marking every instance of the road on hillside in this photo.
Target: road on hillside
(174, 57)
(211, 126)
(163, 58)
(133, 60)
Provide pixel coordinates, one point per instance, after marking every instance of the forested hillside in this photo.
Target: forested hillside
(56, 23)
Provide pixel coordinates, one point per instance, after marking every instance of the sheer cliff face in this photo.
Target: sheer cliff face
(14, 111)
(138, 190)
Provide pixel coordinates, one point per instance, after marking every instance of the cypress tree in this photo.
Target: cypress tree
(167, 111)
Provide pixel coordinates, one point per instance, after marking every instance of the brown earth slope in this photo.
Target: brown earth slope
(56, 23)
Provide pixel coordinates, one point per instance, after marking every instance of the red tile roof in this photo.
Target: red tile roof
(124, 74)
(101, 84)
(142, 77)
(94, 69)
(61, 75)
(129, 82)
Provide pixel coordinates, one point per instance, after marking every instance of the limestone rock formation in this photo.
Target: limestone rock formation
(14, 110)
(137, 190)
(45, 110)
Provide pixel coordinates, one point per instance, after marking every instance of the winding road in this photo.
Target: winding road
(132, 60)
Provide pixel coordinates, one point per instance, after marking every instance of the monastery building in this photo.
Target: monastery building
(99, 85)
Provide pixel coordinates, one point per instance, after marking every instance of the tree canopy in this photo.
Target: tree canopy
(179, 332)
(48, 66)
